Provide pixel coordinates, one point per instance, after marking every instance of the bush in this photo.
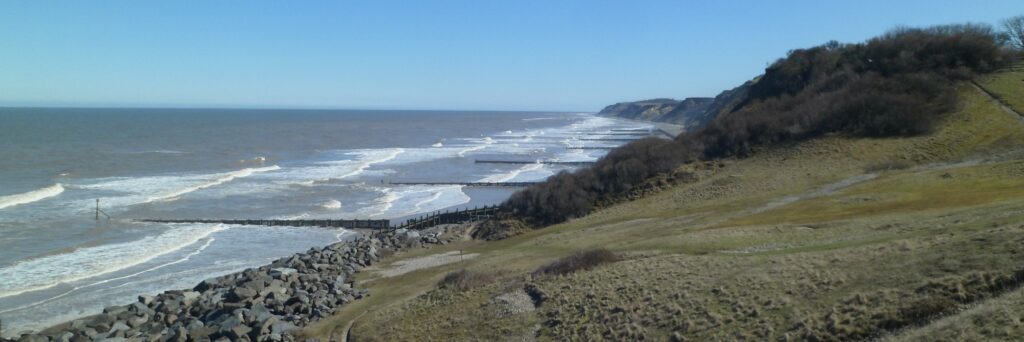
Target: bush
(888, 165)
(464, 280)
(578, 261)
(897, 84)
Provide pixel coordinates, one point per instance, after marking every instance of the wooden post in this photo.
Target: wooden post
(97, 209)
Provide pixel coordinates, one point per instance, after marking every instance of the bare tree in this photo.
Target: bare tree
(1015, 31)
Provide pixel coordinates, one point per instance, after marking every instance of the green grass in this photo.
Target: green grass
(704, 260)
(1008, 86)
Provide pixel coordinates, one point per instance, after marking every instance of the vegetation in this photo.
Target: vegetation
(897, 84)
(579, 261)
(1014, 32)
(760, 248)
(816, 236)
(464, 280)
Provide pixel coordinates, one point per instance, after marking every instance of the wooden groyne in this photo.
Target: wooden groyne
(608, 139)
(630, 130)
(449, 217)
(465, 215)
(655, 131)
(496, 184)
(638, 134)
(573, 163)
(350, 224)
(592, 148)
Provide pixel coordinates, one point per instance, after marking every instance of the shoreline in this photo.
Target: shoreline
(270, 303)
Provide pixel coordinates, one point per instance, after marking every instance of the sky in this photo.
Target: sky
(445, 55)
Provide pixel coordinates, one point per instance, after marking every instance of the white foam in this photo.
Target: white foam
(31, 196)
(357, 164)
(154, 152)
(416, 199)
(187, 257)
(510, 175)
(49, 271)
(331, 204)
(221, 179)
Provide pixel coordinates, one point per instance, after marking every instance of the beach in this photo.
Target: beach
(57, 263)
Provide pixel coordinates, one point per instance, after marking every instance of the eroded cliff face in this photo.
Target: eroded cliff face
(692, 112)
(647, 110)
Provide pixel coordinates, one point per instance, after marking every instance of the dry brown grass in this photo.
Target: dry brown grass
(463, 280)
(579, 261)
(911, 254)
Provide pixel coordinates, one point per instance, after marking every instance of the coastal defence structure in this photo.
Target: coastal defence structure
(423, 222)
(329, 223)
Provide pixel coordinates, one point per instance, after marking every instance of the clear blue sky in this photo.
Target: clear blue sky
(510, 55)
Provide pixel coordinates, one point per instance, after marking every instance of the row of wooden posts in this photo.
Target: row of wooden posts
(449, 217)
(422, 222)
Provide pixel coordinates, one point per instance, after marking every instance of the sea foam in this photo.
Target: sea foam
(45, 272)
(31, 196)
(223, 178)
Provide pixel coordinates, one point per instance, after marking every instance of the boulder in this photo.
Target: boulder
(188, 297)
(236, 333)
(283, 328)
(282, 272)
(207, 285)
(141, 309)
(65, 337)
(145, 300)
(137, 320)
(239, 294)
(115, 310)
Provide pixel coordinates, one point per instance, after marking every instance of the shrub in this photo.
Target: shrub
(464, 280)
(888, 165)
(897, 84)
(578, 261)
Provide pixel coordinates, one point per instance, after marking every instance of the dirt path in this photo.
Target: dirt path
(405, 266)
(825, 190)
(999, 102)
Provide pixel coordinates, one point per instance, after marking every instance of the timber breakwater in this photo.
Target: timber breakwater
(465, 215)
(269, 303)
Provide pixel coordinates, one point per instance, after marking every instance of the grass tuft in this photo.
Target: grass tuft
(463, 280)
(578, 261)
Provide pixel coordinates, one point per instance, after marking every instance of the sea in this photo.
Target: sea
(58, 262)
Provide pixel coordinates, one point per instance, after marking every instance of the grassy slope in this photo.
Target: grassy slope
(787, 244)
(1009, 86)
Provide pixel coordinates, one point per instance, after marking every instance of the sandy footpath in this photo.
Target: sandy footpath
(405, 266)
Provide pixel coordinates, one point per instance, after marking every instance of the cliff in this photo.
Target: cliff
(691, 113)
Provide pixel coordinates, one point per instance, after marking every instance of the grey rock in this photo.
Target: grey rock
(137, 321)
(146, 300)
(115, 310)
(282, 272)
(283, 328)
(238, 331)
(141, 309)
(239, 294)
(33, 338)
(119, 326)
(79, 324)
(207, 285)
(189, 296)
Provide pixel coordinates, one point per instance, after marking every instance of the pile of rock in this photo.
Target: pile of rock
(270, 303)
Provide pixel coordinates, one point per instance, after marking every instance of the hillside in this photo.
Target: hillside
(657, 110)
(853, 191)
(907, 238)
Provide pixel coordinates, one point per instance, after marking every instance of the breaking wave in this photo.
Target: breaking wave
(31, 196)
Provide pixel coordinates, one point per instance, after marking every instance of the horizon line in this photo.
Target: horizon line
(307, 108)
